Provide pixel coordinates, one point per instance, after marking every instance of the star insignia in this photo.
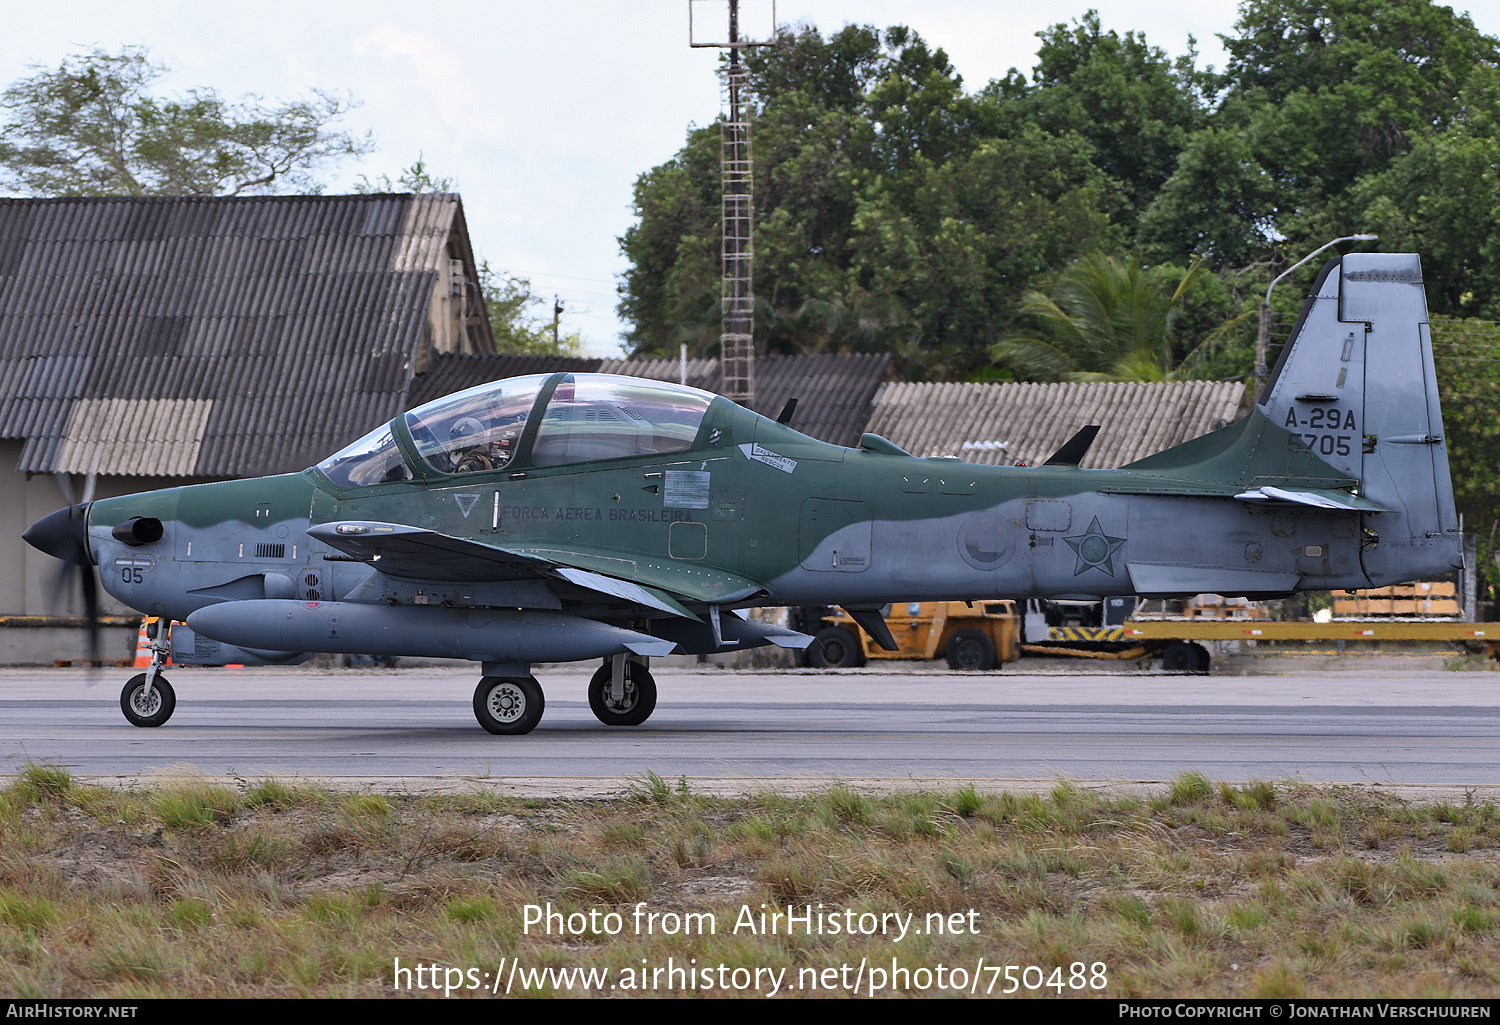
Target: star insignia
(1095, 549)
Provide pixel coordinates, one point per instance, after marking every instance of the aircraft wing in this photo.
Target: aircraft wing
(415, 553)
(401, 551)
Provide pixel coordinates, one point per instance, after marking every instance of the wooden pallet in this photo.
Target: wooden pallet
(1429, 599)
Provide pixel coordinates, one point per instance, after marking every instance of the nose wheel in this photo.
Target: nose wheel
(509, 705)
(148, 707)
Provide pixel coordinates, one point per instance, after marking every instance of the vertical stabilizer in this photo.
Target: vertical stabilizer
(1355, 382)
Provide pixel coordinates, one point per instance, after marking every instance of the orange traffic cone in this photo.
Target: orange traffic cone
(143, 646)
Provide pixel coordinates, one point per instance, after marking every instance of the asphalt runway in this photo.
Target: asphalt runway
(1366, 722)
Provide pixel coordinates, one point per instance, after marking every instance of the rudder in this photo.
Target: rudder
(1355, 381)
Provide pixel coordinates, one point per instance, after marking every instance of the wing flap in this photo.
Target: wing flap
(637, 593)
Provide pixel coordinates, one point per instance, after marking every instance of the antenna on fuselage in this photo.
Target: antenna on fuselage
(1076, 447)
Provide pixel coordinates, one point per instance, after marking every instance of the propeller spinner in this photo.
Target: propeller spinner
(64, 536)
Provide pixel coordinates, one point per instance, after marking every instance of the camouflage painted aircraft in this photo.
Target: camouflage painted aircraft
(573, 516)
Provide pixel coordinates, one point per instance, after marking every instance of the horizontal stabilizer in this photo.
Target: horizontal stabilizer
(1151, 580)
(1318, 498)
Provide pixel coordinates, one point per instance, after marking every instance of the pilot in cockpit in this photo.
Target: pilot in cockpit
(476, 448)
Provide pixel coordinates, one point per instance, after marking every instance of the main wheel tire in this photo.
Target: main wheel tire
(509, 705)
(639, 701)
(148, 711)
(1186, 657)
(835, 648)
(971, 649)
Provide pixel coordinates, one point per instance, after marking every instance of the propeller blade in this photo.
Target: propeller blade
(89, 483)
(64, 484)
(90, 586)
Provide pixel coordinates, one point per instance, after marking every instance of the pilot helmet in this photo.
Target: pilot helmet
(467, 428)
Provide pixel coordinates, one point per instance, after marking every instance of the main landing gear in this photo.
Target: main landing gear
(148, 699)
(509, 704)
(623, 692)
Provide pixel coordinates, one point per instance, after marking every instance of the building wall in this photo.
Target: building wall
(30, 578)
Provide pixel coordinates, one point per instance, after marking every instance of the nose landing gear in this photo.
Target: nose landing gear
(148, 699)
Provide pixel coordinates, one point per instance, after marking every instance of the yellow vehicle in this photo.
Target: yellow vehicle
(970, 635)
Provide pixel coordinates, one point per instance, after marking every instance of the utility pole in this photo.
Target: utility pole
(1263, 337)
(557, 312)
(737, 215)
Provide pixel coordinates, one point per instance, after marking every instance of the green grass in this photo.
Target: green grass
(1198, 889)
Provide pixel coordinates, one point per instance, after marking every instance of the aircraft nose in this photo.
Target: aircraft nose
(62, 535)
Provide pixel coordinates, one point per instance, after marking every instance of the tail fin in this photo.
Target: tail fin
(1355, 381)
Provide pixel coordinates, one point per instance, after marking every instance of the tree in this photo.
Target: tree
(1218, 204)
(416, 178)
(509, 301)
(1320, 99)
(887, 210)
(1108, 319)
(922, 214)
(1134, 105)
(1330, 90)
(91, 128)
(1440, 199)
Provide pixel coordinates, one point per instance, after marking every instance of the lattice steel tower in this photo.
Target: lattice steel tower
(737, 213)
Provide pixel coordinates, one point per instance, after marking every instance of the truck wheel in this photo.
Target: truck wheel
(1186, 657)
(835, 648)
(971, 649)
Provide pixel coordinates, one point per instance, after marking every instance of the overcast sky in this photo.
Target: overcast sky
(545, 112)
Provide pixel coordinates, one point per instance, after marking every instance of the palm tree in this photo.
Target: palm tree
(1109, 320)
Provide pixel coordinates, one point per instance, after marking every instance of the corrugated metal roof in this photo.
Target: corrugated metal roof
(1001, 423)
(213, 336)
(833, 392)
(449, 374)
(134, 436)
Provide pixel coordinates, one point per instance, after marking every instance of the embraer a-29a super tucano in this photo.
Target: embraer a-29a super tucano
(576, 516)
